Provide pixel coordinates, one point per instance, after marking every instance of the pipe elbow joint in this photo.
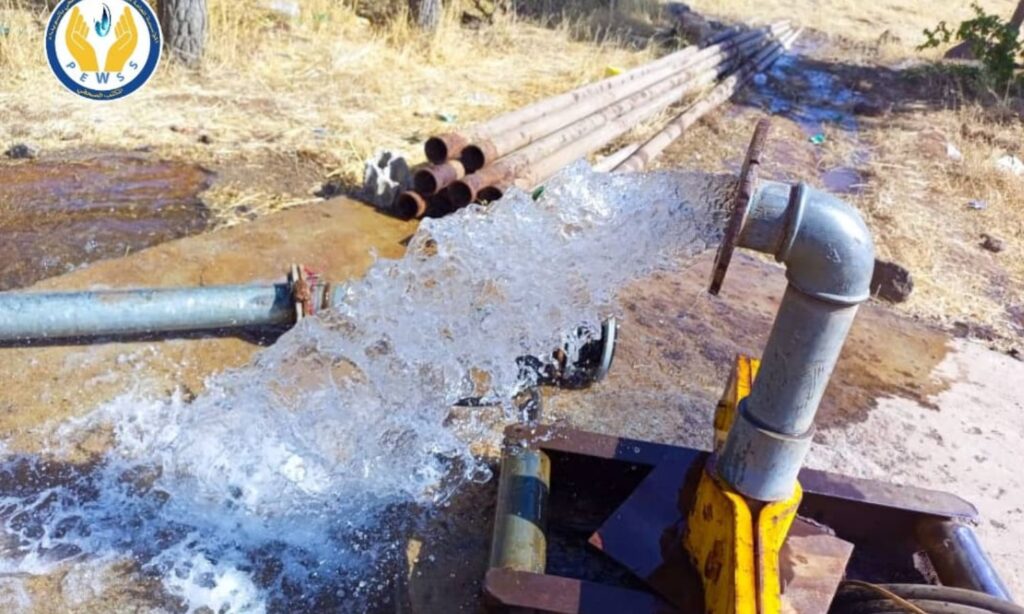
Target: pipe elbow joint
(823, 241)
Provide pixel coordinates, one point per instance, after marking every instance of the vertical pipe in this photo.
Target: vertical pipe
(519, 540)
(829, 257)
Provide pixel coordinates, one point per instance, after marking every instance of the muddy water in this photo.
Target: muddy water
(56, 215)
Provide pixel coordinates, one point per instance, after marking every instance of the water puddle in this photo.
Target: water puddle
(56, 215)
(294, 484)
(821, 104)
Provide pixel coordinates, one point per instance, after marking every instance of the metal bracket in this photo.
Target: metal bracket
(741, 205)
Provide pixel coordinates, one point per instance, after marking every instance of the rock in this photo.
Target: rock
(991, 243)
(1010, 164)
(891, 282)
(385, 176)
(953, 153)
(287, 8)
(21, 151)
(476, 13)
(970, 330)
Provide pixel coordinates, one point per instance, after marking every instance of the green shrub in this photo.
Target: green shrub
(992, 41)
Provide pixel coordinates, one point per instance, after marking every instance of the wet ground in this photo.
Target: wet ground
(674, 357)
(897, 407)
(58, 214)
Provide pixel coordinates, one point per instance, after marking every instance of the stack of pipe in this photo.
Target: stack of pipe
(526, 146)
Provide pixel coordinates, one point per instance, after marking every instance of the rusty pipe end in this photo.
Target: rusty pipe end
(410, 205)
(440, 149)
(478, 154)
(432, 179)
(490, 194)
(464, 191)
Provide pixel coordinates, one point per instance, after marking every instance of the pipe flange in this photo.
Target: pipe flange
(741, 205)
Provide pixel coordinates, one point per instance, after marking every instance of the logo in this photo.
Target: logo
(103, 49)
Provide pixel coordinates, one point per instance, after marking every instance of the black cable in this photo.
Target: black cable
(863, 599)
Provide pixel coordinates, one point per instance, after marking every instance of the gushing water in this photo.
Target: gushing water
(288, 485)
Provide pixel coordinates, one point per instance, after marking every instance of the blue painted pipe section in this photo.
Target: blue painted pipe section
(56, 315)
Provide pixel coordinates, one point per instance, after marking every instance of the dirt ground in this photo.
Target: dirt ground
(909, 403)
(283, 103)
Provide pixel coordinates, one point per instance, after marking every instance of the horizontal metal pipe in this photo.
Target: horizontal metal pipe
(410, 204)
(722, 92)
(608, 163)
(57, 315)
(483, 151)
(587, 134)
(542, 170)
(431, 179)
(447, 146)
(958, 558)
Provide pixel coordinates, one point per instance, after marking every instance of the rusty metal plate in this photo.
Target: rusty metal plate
(811, 565)
(741, 205)
(558, 595)
(883, 494)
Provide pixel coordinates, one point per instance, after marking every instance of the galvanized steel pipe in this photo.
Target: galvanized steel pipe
(958, 558)
(28, 316)
(829, 258)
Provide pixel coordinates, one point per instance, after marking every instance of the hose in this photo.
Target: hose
(857, 597)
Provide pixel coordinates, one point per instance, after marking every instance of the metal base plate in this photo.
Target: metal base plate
(645, 522)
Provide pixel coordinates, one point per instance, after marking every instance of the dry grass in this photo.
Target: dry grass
(326, 88)
(284, 101)
(897, 24)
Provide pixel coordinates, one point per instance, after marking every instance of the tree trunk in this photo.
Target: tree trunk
(427, 13)
(1018, 16)
(183, 23)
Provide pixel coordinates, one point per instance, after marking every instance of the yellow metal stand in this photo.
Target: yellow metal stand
(735, 543)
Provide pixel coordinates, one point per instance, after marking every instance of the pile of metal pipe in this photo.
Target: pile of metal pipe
(527, 146)
(652, 148)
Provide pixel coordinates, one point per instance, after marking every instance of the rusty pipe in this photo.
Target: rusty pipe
(579, 138)
(485, 150)
(443, 147)
(410, 204)
(722, 92)
(431, 179)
